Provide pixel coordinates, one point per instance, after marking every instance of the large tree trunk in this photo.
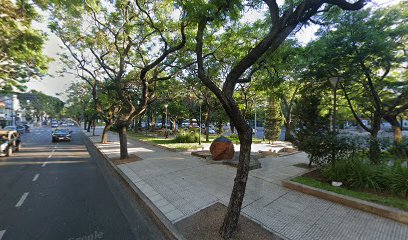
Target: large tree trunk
(207, 125)
(153, 125)
(85, 122)
(89, 126)
(93, 127)
(191, 121)
(238, 192)
(374, 150)
(288, 135)
(123, 142)
(232, 126)
(104, 138)
(392, 119)
(288, 126)
(175, 125)
(164, 120)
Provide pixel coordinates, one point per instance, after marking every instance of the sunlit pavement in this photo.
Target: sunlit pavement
(180, 185)
(57, 191)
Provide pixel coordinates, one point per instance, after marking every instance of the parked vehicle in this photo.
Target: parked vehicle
(9, 142)
(26, 128)
(61, 135)
(54, 124)
(19, 129)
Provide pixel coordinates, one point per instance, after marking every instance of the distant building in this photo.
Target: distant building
(11, 112)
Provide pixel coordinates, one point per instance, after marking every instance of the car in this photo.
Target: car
(26, 127)
(61, 135)
(9, 142)
(71, 124)
(19, 129)
(54, 124)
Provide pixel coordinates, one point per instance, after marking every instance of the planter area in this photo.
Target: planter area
(382, 204)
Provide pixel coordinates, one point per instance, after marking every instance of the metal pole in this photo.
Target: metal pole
(335, 105)
(199, 139)
(255, 122)
(165, 123)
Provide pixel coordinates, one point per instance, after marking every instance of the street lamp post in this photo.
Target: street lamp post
(334, 82)
(255, 118)
(199, 138)
(165, 123)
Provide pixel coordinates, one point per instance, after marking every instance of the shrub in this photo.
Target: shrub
(233, 135)
(364, 175)
(323, 149)
(360, 173)
(396, 179)
(184, 136)
(400, 151)
(337, 171)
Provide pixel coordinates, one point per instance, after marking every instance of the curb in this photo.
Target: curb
(377, 209)
(164, 224)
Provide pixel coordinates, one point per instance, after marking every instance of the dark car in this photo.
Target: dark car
(26, 128)
(19, 129)
(9, 142)
(61, 135)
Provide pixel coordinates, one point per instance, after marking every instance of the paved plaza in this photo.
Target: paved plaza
(180, 185)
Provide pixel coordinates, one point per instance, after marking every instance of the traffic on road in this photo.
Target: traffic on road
(52, 187)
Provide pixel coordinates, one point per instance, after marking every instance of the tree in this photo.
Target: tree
(209, 16)
(273, 119)
(133, 44)
(21, 56)
(41, 105)
(311, 126)
(367, 51)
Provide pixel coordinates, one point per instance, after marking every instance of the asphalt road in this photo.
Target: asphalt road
(60, 191)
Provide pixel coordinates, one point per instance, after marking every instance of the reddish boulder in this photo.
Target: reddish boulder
(222, 149)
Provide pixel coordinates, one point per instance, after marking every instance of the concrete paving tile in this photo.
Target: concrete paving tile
(187, 184)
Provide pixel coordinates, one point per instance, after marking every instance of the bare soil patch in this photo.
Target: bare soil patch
(205, 225)
(317, 175)
(131, 158)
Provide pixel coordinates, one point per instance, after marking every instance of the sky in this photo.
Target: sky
(55, 84)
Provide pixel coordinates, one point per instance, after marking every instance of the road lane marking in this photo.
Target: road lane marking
(43, 165)
(50, 156)
(36, 177)
(53, 150)
(2, 232)
(22, 199)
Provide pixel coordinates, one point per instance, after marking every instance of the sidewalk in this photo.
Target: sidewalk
(181, 185)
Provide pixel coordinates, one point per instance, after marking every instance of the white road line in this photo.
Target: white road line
(53, 150)
(50, 156)
(2, 232)
(22, 199)
(36, 177)
(43, 165)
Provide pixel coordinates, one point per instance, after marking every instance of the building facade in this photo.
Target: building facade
(11, 112)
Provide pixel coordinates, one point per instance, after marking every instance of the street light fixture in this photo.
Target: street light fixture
(199, 127)
(255, 117)
(334, 82)
(165, 124)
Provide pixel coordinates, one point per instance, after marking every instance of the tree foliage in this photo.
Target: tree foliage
(21, 55)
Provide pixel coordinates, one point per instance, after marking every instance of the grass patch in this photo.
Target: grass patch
(371, 197)
(165, 142)
(233, 140)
